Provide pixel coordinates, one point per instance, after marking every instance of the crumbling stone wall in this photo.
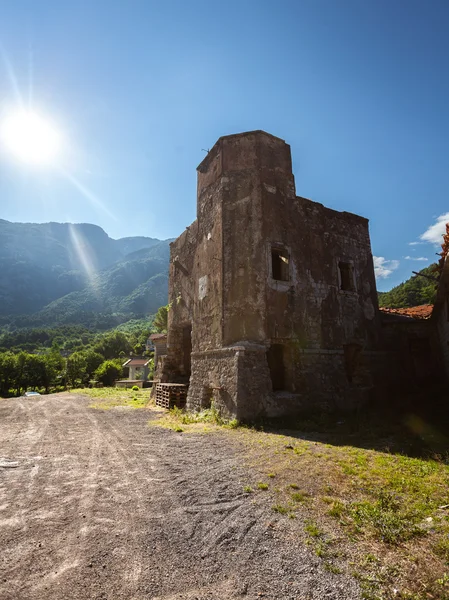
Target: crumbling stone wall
(279, 290)
(415, 347)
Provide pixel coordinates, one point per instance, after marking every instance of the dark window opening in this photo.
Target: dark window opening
(275, 359)
(280, 264)
(346, 276)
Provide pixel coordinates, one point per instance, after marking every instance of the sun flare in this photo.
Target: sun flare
(30, 137)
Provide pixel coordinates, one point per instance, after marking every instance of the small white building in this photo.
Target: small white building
(138, 372)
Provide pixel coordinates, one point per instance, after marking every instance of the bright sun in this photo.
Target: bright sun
(30, 137)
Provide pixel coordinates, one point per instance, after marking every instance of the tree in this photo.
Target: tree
(34, 371)
(108, 372)
(160, 319)
(76, 368)
(8, 372)
(54, 366)
(413, 292)
(20, 378)
(112, 344)
(93, 361)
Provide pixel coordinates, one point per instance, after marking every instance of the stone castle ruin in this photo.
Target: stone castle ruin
(273, 301)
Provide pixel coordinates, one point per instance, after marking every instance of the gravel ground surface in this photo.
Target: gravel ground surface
(98, 505)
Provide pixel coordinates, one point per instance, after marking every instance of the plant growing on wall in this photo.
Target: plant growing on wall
(160, 319)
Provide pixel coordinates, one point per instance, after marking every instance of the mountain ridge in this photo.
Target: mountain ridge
(43, 263)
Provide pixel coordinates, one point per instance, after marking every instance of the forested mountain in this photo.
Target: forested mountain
(419, 289)
(62, 273)
(135, 286)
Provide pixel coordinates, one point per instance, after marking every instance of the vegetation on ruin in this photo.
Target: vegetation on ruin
(160, 320)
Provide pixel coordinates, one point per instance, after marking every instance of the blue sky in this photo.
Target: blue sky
(359, 89)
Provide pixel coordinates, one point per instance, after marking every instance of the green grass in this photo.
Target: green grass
(365, 499)
(300, 496)
(107, 398)
(399, 494)
(331, 568)
(262, 486)
(337, 509)
(386, 519)
(441, 548)
(279, 508)
(176, 417)
(313, 529)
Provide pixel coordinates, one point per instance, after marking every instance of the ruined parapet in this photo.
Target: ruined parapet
(273, 297)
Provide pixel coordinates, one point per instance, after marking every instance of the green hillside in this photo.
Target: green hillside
(42, 262)
(135, 287)
(415, 291)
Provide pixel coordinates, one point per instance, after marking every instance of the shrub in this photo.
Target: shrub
(108, 372)
(389, 523)
(300, 496)
(135, 388)
(282, 510)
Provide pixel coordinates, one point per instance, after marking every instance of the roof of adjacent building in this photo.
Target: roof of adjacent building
(136, 362)
(157, 336)
(424, 311)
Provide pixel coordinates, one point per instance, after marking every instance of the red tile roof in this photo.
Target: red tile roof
(415, 312)
(158, 336)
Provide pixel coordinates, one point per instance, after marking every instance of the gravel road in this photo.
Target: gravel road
(98, 505)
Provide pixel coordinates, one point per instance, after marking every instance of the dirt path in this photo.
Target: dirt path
(102, 506)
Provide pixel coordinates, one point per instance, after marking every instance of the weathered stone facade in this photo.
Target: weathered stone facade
(273, 297)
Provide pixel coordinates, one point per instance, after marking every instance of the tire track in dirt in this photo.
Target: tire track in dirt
(119, 510)
(34, 495)
(110, 439)
(27, 432)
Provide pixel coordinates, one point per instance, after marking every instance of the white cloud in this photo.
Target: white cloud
(415, 243)
(434, 233)
(384, 268)
(423, 258)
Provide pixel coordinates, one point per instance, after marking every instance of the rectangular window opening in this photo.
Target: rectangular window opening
(280, 264)
(346, 276)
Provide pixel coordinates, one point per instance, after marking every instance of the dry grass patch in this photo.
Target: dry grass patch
(107, 398)
(205, 421)
(381, 516)
(364, 503)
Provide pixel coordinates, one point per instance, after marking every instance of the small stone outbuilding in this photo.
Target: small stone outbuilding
(158, 344)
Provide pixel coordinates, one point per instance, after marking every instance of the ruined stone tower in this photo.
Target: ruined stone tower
(273, 297)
